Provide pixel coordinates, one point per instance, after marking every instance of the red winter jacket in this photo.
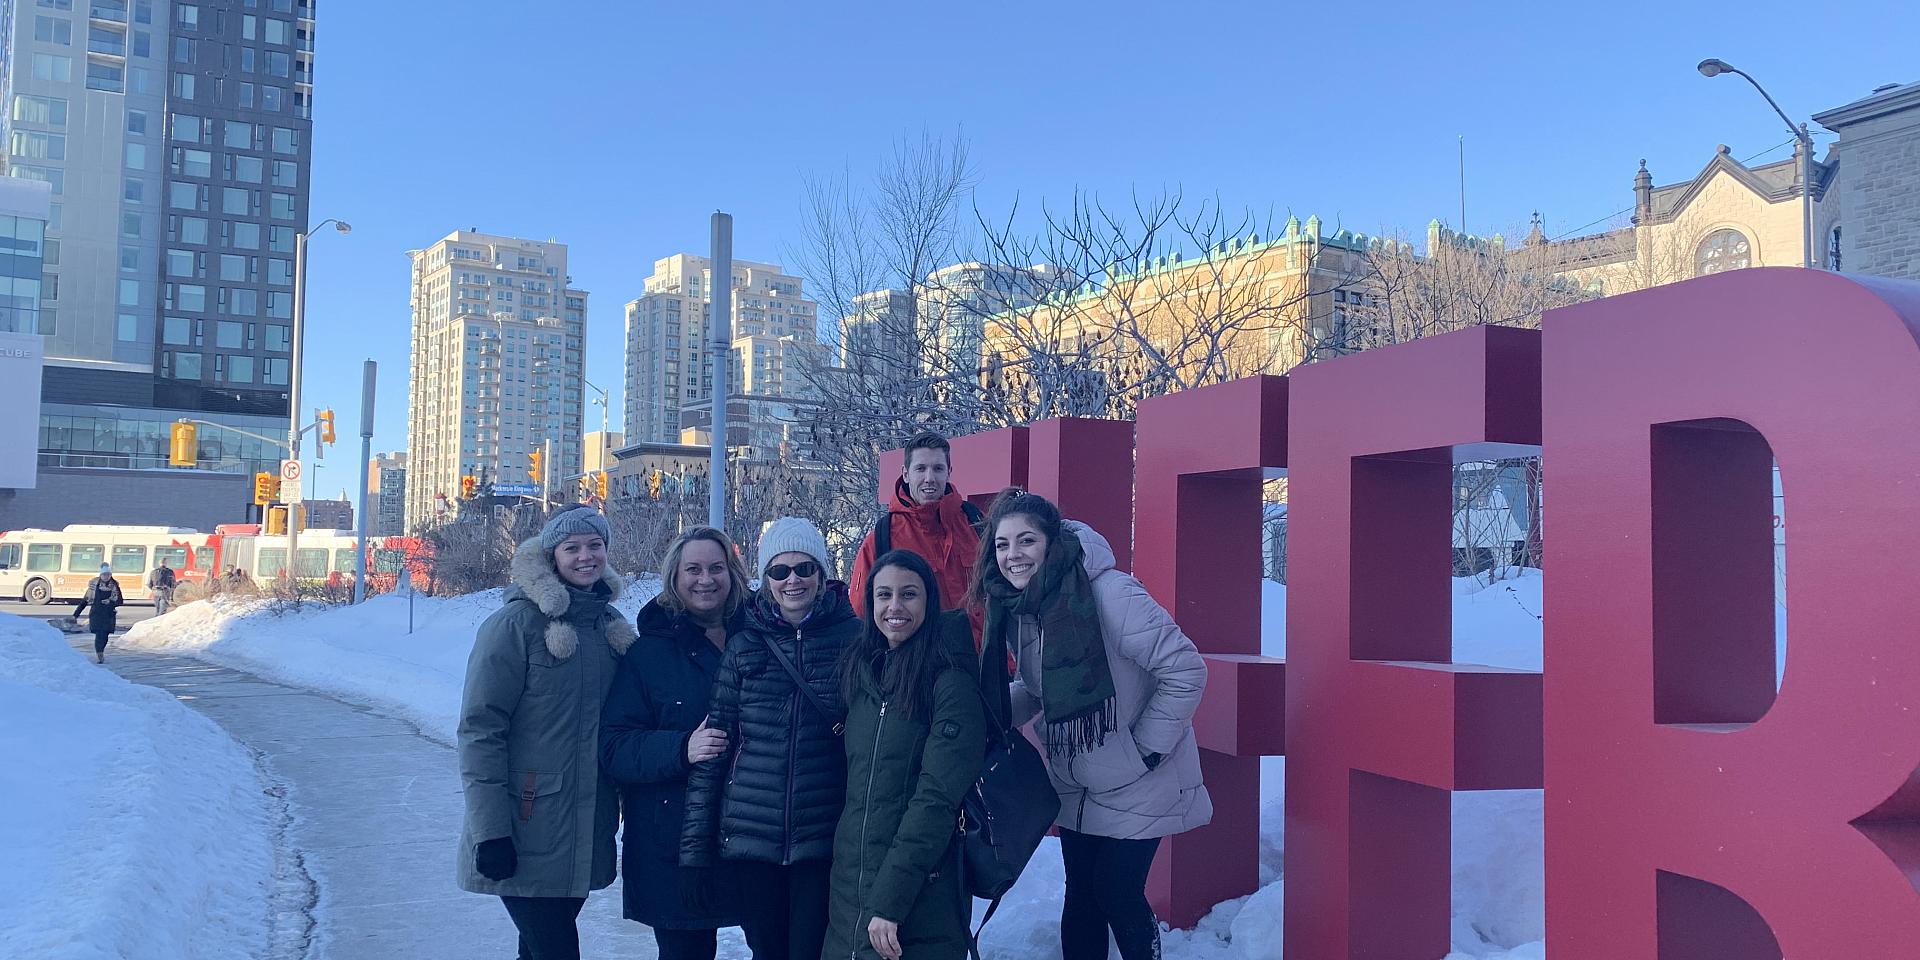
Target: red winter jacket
(938, 531)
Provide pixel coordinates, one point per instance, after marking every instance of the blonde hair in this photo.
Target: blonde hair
(670, 568)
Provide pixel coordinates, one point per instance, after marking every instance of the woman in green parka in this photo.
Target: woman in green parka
(916, 735)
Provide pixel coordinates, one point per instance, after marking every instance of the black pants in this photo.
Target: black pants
(686, 944)
(786, 908)
(1107, 890)
(546, 926)
(99, 644)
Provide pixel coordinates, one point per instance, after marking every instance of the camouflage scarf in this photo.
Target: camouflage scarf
(1076, 684)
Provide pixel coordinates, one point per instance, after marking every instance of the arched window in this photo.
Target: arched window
(1833, 249)
(1723, 250)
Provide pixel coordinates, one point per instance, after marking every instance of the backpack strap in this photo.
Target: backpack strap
(883, 534)
(974, 516)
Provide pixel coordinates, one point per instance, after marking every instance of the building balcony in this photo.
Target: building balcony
(108, 11)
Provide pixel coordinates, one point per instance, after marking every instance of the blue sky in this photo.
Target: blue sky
(617, 127)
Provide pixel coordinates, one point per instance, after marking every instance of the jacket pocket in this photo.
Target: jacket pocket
(547, 675)
(1109, 766)
(540, 815)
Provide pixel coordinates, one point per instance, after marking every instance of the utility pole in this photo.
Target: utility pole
(720, 291)
(546, 473)
(299, 333)
(366, 455)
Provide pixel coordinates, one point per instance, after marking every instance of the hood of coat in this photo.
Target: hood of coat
(532, 576)
(1096, 552)
(947, 508)
(657, 620)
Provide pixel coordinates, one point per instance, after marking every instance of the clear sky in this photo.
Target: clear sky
(617, 126)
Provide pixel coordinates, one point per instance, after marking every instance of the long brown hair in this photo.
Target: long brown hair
(670, 571)
(910, 671)
(1012, 500)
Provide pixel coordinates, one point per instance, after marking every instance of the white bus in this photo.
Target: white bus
(41, 566)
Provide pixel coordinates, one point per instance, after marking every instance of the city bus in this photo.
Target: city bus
(41, 566)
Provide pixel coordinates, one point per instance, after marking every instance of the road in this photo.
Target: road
(133, 612)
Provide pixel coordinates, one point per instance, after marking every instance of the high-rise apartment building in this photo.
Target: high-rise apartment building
(176, 140)
(387, 491)
(497, 367)
(669, 361)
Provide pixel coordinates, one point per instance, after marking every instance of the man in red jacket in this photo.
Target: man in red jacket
(929, 518)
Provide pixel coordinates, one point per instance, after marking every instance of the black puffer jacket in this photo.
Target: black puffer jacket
(776, 793)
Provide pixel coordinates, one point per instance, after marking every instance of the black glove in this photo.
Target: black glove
(696, 889)
(496, 859)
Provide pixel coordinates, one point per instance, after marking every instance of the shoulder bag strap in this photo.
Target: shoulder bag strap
(819, 702)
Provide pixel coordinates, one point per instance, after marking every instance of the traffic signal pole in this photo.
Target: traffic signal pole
(366, 456)
(720, 293)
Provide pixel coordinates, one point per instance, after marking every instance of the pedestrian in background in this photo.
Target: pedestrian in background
(160, 582)
(104, 596)
(654, 729)
(916, 737)
(1115, 684)
(540, 820)
(767, 804)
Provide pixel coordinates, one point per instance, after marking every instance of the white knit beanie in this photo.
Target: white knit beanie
(792, 535)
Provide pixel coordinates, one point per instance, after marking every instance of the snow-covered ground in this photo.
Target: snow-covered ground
(366, 654)
(134, 827)
(363, 653)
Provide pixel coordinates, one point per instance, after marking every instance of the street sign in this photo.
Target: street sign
(516, 489)
(290, 482)
(290, 470)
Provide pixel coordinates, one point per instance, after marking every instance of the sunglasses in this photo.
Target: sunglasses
(781, 571)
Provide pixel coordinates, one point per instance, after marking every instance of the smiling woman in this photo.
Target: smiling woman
(538, 677)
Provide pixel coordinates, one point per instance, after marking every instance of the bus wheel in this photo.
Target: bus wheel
(37, 592)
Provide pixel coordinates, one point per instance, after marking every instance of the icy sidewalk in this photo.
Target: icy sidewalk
(376, 812)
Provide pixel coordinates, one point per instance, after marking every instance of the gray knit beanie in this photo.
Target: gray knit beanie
(566, 523)
(792, 535)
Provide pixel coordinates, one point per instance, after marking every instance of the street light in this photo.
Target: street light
(1713, 67)
(293, 380)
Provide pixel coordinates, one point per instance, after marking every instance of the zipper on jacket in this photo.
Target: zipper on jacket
(793, 751)
(866, 810)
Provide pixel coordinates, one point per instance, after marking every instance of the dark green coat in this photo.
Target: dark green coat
(893, 848)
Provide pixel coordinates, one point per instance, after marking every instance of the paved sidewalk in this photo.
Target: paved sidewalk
(376, 811)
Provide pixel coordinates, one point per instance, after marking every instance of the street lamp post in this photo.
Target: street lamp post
(1712, 67)
(293, 381)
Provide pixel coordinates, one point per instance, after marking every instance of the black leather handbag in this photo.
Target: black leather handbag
(1007, 811)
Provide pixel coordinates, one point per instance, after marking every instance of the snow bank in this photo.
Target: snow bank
(135, 827)
(363, 653)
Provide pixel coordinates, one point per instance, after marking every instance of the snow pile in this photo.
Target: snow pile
(134, 828)
(364, 653)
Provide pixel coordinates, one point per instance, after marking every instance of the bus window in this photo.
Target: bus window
(129, 559)
(85, 557)
(203, 559)
(9, 556)
(175, 557)
(387, 560)
(43, 557)
(344, 562)
(271, 562)
(312, 562)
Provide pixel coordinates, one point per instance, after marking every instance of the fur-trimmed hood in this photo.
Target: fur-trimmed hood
(533, 577)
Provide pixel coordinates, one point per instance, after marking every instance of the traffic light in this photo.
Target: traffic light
(325, 417)
(468, 486)
(266, 488)
(183, 446)
(533, 467)
(600, 485)
(276, 521)
(653, 484)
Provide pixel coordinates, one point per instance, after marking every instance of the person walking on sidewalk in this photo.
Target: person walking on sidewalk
(540, 820)
(104, 596)
(160, 582)
(928, 517)
(1117, 684)
(916, 737)
(767, 803)
(654, 729)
